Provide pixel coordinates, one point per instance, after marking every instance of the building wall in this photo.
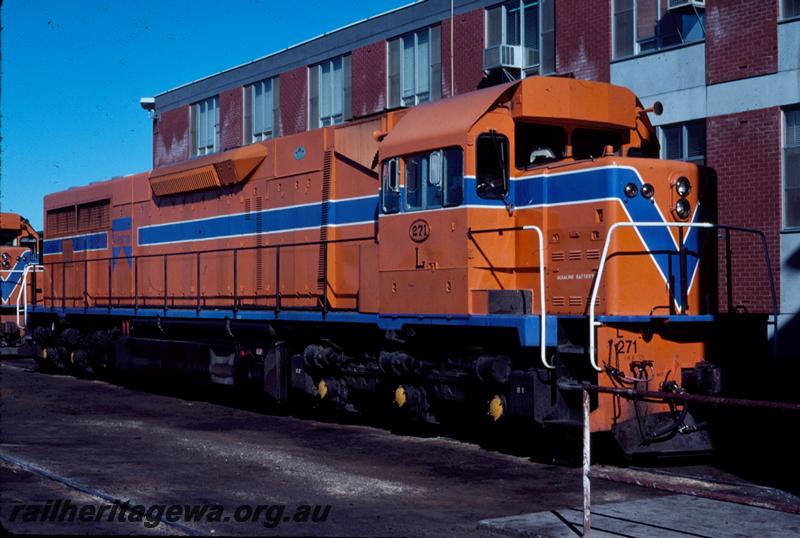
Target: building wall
(741, 39)
(368, 68)
(468, 43)
(583, 38)
(171, 137)
(743, 150)
(230, 119)
(294, 99)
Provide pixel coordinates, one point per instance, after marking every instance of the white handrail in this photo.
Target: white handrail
(23, 293)
(601, 266)
(542, 302)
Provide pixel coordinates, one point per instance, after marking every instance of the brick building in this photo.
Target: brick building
(727, 72)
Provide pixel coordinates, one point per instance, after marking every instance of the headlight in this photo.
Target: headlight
(648, 190)
(631, 190)
(683, 187)
(683, 208)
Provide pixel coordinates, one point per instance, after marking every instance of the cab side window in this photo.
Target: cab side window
(453, 173)
(591, 143)
(491, 168)
(390, 186)
(434, 179)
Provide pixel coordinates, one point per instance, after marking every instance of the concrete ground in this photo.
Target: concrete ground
(93, 443)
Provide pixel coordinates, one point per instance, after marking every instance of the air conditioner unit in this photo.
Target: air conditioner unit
(530, 58)
(675, 5)
(502, 56)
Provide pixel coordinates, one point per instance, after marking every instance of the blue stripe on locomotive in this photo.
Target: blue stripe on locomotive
(80, 243)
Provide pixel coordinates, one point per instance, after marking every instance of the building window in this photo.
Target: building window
(791, 8)
(329, 92)
(521, 35)
(261, 111)
(648, 25)
(791, 169)
(415, 68)
(684, 142)
(205, 127)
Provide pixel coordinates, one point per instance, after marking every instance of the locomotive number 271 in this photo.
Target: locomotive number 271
(419, 230)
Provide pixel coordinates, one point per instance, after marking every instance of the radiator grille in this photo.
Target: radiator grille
(94, 215)
(60, 221)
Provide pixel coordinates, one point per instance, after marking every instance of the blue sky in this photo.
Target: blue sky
(73, 73)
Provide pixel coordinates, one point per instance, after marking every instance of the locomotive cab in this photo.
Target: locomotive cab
(577, 163)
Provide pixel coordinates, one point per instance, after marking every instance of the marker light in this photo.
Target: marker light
(683, 208)
(648, 190)
(683, 187)
(631, 190)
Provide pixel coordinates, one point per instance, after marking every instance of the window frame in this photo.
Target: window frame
(195, 132)
(545, 13)
(507, 178)
(785, 149)
(314, 73)
(784, 16)
(684, 141)
(444, 180)
(434, 68)
(635, 44)
(396, 191)
(249, 107)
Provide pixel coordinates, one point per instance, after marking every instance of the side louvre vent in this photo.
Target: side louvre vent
(322, 269)
(592, 254)
(209, 172)
(557, 256)
(192, 180)
(557, 300)
(575, 255)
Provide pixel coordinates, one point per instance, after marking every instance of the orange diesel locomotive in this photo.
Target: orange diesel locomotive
(487, 253)
(19, 247)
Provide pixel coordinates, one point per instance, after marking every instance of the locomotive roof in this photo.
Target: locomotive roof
(448, 122)
(441, 123)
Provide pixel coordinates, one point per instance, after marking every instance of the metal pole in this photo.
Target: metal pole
(235, 280)
(166, 300)
(587, 461)
(85, 283)
(109, 286)
(683, 271)
(197, 281)
(277, 281)
(63, 286)
(136, 283)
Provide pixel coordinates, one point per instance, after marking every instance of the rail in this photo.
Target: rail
(22, 295)
(166, 301)
(542, 301)
(632, 394)
(684, 287)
